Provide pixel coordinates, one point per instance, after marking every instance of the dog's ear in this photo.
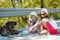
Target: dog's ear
(11, 23)
(14, 23)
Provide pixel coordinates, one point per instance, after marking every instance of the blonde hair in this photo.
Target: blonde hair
(32, 13)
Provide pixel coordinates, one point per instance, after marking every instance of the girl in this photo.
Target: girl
(45, 25)
(32, 20)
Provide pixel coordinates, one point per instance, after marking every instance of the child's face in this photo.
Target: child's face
(43, 14)
(33, 17)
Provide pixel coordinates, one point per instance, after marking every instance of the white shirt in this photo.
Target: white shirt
(45, 20)
(52, 22)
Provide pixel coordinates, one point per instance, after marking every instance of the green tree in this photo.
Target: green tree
(27, 4)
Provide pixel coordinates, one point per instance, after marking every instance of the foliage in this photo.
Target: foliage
(26, 4)
(57, 16)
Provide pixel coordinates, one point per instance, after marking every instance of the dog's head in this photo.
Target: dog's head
(11, 23)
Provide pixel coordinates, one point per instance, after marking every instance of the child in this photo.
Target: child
(32, 20)
(45, 25)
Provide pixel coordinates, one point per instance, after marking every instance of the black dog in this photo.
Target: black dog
(8, 28)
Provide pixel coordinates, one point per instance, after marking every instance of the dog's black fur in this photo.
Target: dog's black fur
(8, 28)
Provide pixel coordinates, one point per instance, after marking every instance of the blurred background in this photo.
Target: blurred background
(27, 4)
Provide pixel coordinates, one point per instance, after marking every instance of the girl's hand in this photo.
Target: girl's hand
(31, 29)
